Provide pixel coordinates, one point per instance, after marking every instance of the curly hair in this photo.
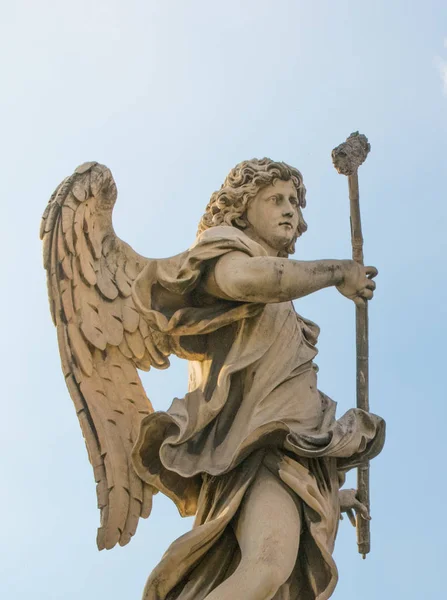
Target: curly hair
(228, 205)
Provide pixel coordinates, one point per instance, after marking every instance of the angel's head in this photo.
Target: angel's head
(265, 199)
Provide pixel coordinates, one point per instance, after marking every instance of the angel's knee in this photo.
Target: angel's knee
(269, 570)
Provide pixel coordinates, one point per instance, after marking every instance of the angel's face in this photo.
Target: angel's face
(273, 216)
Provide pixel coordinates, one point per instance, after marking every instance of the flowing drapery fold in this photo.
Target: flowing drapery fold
(253, 400)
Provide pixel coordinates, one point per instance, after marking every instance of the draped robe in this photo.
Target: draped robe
(253, 400)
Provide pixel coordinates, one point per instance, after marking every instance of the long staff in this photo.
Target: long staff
(347, 158)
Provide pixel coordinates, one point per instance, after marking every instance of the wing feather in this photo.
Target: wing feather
(123, 281)
(110, 317)
(136, 344)
(102, 340)
(124, 348)
(131, 316)
(105, 281)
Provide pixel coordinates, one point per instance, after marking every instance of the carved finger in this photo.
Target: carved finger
(358, 301)
(351, 517)
(367, 293)
(362, 510)
(371, 272)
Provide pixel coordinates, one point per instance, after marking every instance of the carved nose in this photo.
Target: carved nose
(287, 213)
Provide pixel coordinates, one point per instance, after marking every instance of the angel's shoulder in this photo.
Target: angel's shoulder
(227, 236)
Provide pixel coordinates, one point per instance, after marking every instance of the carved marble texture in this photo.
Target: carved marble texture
(254, 450)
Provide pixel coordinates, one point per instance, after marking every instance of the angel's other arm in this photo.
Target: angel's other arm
(266, 279)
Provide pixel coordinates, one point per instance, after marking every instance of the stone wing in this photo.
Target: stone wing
(102, 339)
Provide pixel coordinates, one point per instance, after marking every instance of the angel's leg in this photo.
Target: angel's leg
(268, 532)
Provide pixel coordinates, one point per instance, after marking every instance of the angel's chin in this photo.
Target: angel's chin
(281, 242)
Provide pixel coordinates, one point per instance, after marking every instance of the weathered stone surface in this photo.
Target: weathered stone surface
(254, 449)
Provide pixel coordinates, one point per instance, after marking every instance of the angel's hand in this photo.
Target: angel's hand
(351, 505)
(358, 284)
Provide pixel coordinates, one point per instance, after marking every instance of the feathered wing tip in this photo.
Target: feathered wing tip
(102, 339)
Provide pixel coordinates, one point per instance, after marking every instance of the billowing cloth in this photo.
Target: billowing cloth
(252, 401)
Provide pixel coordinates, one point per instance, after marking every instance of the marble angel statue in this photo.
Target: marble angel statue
(254, 450)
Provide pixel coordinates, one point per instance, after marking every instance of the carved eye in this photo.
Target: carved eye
(274, 199)
(293, 201)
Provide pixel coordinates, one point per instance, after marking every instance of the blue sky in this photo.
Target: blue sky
(170, 95)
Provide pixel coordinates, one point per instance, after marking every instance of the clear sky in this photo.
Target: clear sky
(170, 95)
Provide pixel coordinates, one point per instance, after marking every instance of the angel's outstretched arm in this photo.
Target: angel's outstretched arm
(266, 279)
